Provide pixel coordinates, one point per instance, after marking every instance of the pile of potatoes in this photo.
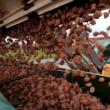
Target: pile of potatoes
(9, 69)
(45, 92)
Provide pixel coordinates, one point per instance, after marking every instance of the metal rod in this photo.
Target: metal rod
(20, 77)
(29, 74)
(40, 71)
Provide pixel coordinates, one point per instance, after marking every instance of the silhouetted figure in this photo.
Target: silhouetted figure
(107, 53)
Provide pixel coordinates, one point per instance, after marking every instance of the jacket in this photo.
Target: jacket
(106, 54)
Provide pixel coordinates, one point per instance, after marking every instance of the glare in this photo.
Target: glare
(101, 24)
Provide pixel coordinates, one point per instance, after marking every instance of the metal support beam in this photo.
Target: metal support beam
(24, 13)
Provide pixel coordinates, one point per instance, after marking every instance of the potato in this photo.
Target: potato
(66, 89)
(77, 20)
(62, 96)
(104, 34)
(81, 74)
(101, 79)
(84, 102)
(95, 33)
(106, 14)
(88, 84)
(92, 90)
(100, 55)
(102, 5)
(74, 9)
(109, 84)
(81, 10)
(93, 76)
(93, 22)
(76, 85)
(86, 79)
(97, 14)
(52, 102)
(93, 7)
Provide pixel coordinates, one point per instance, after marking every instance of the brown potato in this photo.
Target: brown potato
(104, 34)
(92, 90)
(108, 84)
(97, 14)
(77, 20)
(81, 74)
(93, 76)
(101, 79)
(100, 55)
(88, 84)
(101, 5)
(106, 14)
(93, 22)
(93, 7)
(67, 71)
(95, 33)
(86, 79)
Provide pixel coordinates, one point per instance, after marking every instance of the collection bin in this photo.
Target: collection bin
(102, 90)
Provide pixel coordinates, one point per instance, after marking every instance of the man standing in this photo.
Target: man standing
(106, 54)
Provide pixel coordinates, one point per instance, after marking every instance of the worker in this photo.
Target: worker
(106, 54)
(106, 70)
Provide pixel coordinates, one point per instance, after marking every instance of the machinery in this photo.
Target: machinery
(19, 12)
(98, 65)
(4, 104)
(16, 12)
